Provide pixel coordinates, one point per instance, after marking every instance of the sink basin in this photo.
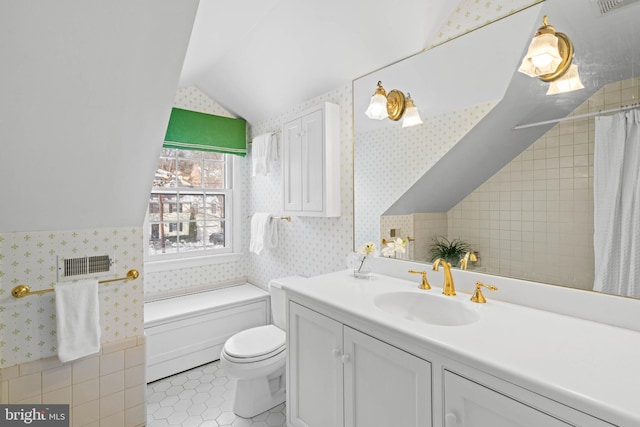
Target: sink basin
(427, 308)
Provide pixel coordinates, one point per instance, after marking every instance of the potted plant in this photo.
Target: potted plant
(449, 250)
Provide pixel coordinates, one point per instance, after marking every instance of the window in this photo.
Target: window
(190, 204)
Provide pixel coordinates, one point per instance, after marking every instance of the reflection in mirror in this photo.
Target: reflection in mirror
(522, 198)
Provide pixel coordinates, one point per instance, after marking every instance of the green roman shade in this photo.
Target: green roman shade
(191, 130)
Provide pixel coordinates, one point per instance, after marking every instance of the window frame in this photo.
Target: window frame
(165, 262)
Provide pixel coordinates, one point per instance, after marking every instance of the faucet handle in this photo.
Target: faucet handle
(477, 295)
(425, 283)
(464, 261)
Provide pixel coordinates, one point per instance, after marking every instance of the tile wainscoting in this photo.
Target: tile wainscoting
(104, 390)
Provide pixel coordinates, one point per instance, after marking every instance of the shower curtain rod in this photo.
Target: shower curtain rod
(580, 116)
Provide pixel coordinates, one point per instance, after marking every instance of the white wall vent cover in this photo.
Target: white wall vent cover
(606, 6)
(84, 267)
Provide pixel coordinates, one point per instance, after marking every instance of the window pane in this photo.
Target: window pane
(189, 154)
(163, 238)
(189, 236)
(215, 231)
(190, 206)
(215, 207)
(214, 174)
(165, 173)
(168, 152)
(190, 172)
(213, 156)
(186, 211)
(163, 207)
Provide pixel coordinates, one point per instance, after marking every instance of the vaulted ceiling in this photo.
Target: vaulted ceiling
(258, 58)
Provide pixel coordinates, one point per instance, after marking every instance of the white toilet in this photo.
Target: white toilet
(256, 358)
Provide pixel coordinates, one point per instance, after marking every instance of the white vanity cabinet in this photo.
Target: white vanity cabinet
(311, 162)
(471, 404)
(353, 363)
(338, 376)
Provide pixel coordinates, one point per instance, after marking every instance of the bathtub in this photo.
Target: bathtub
(187, 331)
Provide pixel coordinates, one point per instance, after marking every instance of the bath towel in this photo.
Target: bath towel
(77, 319)
(264, 151)
(264, 232)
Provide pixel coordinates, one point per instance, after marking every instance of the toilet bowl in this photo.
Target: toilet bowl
(256, 359)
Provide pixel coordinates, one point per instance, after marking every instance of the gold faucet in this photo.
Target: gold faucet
(477, 295)
(447, 288)
(425, 283)
(469, 256)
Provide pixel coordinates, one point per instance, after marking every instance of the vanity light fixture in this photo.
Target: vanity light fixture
(378, 105)
(393, 106)
(411, 114)
(567, 82)
(549, 58)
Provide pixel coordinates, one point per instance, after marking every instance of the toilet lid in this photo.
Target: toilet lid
(254, 342)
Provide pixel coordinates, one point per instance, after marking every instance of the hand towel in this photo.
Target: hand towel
(77, 319)
(264, 150)
(264, 232)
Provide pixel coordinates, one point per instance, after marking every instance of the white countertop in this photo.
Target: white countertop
(586, 365)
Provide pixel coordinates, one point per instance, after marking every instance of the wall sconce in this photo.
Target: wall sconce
(567, 82)
(393, 106)
(378, 105)
(549, 58)
(411, 114)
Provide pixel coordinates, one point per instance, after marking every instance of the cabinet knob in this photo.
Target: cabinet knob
(345, 358)
(451, 420)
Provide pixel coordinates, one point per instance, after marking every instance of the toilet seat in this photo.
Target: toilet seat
(255, 344)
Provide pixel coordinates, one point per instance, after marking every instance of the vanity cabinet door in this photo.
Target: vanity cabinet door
(314, 369)
(340, 377)
(384, 386)
(468, 404)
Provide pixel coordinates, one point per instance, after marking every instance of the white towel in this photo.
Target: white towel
(264, 150)
(77, 319)
(264, 232)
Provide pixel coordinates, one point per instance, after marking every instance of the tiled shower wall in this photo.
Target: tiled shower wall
(534, 218)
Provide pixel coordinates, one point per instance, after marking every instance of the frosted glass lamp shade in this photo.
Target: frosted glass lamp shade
(411, 115)
(542, 57)
(377, 107)
(568, 82)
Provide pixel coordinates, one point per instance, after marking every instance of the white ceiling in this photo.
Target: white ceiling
(259, 58)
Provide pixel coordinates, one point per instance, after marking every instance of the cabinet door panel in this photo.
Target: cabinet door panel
(314, 379)
(468, 404)
(291, 165)
(313, 162)
(384, 386)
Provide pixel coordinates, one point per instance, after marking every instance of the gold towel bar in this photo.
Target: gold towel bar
(284, 218)
(24, 290)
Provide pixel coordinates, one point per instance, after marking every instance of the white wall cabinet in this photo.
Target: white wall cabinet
(338, 376)
(311, 162)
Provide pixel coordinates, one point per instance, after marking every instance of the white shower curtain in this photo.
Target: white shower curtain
(616, 183)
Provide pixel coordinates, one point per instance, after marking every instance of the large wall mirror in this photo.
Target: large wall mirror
(498, 163)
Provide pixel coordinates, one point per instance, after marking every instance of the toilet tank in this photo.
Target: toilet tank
(278, 299)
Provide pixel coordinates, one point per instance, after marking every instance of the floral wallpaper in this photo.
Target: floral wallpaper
(472, 14)
(406, 154)
(27, 325)
(307, 246)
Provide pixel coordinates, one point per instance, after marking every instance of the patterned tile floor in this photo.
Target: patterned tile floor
(203, 397)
